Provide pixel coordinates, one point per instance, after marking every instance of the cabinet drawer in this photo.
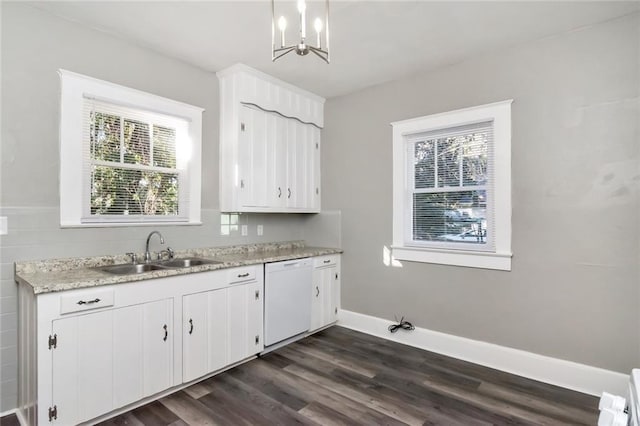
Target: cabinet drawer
(238, 275)
(86, 300)
(319, 262)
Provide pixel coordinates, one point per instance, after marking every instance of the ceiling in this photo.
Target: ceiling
(371, 41)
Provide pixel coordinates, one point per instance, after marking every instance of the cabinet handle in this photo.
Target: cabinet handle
(257, 294)
(166, 333)
(241, 183)
(242, 127)
(317, 291)
(279, 192)
(327, 261)
(289, 191)
(88, 302)
(246, 274)
(191, 323)
(257, 339)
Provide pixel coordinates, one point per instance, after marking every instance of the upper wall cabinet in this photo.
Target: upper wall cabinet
(269, 144)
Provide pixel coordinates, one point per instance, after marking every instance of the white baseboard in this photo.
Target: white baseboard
(571, 375)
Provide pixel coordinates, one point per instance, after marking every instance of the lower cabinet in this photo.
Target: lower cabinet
(221, 327)
(88, 352)
(325, 297)
(108, 359)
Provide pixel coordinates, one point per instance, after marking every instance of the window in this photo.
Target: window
(452, 188)
(126, 157)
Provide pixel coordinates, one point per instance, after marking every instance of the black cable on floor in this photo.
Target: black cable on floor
(405, 325)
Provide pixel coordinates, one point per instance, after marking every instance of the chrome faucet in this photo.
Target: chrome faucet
(147, 255)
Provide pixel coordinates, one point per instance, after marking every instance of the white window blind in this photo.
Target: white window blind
(134, 164)
(450, 188)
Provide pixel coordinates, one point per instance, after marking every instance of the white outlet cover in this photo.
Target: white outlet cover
(4, 230)
(245, 230)
(260, 230)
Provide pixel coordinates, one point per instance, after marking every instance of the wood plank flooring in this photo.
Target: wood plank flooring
(341, 377)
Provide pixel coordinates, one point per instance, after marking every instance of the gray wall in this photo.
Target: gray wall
(573, 291)
(34, 45)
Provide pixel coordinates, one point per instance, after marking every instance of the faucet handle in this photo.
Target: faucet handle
(134, 257)
(171, 252)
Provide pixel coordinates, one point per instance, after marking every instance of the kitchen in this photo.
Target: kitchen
(571, 293)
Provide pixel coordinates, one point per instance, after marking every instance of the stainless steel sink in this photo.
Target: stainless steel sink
(131, 269)
(187, 262)
(140, 268)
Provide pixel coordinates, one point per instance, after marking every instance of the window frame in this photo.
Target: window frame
(74, 202)
(499, 113)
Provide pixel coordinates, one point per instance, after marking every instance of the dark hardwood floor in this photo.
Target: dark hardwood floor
(340, 377)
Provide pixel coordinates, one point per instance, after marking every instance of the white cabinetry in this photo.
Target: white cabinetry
(108, 359)
(222, 327)
(269, 144)
(88, 352)
(325, 298)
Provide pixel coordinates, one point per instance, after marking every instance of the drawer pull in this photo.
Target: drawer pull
(246, 274)
(88, 302)
(327, 261)
(166, 333)
(191, 324)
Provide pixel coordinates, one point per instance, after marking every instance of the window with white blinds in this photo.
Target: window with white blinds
(452, 188)
(132, 163)
(450, 181)
(126, 157)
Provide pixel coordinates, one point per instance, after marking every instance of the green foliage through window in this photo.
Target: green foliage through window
(133, 169)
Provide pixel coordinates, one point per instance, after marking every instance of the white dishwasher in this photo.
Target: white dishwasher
(287, 299)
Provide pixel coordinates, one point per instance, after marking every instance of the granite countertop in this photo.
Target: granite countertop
(46, 276)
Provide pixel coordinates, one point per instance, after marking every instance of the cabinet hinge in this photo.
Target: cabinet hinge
(53, 413)
(257, 339)
(242, 127)
(257, 294)
(53, 341)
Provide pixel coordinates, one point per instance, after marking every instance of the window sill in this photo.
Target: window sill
(125, 224)
(471, 259)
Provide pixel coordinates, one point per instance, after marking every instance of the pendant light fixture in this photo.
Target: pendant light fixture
(302, 48)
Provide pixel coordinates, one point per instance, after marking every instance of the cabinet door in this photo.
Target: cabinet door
(157, 359)
(195, 336)
(83, 366)
(328, 305)
(293, 166)
(325, 297)
(317, 299)
(255, 316)
(142, 351)
(253, 158)
(108, 359)
(315, 170)
(218, 327)
(205, 325)
(245, 321)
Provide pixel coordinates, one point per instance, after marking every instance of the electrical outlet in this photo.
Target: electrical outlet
(3, 226)
(260, 230)
(245, 230)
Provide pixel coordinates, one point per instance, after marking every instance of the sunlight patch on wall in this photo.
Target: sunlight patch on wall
(388, 259)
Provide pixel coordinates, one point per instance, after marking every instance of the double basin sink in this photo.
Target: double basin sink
(140, 268)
